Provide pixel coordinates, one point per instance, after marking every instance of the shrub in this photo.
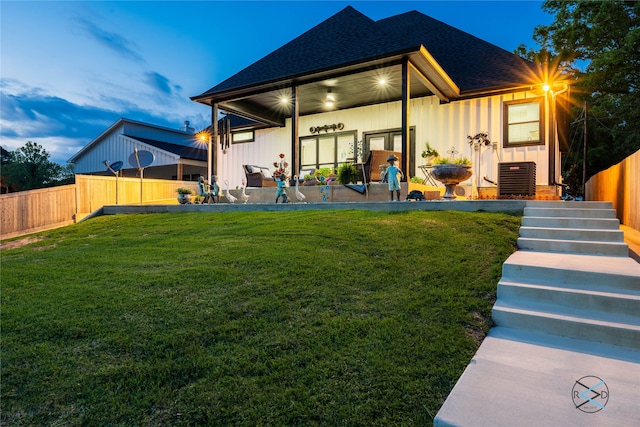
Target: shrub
(347, 173)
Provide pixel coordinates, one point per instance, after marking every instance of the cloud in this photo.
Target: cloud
(63, 127)
(110, 40)
(160, 83)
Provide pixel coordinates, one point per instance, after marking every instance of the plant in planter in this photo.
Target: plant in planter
(347, 173)
(429, 153)
(322, 175)
(310, 179)
(451, 172)
(184, 195)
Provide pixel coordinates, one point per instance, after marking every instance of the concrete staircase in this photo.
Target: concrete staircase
(572, 227)
(576, 284)
(568, 306)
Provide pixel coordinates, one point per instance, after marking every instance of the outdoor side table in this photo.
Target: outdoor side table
(428, 178)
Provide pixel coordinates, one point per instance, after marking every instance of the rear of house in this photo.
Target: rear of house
(351, 85)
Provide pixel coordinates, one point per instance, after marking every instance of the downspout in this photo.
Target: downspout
(295, 144)
(552, 137)
(212, 155)
(406, 95)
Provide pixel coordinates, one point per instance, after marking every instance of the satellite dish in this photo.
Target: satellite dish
(114, 167)
(141, 159)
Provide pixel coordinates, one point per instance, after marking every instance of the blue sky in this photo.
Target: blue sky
(70, 69)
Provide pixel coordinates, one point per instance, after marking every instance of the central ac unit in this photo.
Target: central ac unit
(516, 179)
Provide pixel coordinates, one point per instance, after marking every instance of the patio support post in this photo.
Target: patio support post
(295, 144)
(213, 147)
(406, 98)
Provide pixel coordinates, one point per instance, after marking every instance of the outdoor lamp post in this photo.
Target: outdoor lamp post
(206, 136)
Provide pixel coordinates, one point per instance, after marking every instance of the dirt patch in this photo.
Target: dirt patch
(476, 330)
(13, 244)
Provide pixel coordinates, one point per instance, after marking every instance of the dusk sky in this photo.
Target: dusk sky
(70, 69)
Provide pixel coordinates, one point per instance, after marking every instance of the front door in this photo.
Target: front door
(392, 140)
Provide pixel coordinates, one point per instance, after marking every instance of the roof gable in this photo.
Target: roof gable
(349, 37)
(338, 40)
(471, 62)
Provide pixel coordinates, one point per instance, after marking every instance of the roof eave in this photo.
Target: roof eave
(302, 78)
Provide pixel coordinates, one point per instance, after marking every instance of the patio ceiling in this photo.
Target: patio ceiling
(350, 88)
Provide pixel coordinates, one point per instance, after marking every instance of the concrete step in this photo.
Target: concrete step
(614, 329)
(567, 222)
(577, 271)
(574, 246)
(526, 378)
(557, 233)
(577, 299)
(569, 212)
(568, 205)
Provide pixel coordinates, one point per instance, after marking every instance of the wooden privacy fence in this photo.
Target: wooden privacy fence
(30, 211)
(620, 184)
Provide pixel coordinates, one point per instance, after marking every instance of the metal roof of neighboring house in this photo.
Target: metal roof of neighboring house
(185, 152)
(114, 126)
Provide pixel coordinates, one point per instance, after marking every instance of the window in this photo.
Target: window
(242, 136)
(523, 122)
(326, 151)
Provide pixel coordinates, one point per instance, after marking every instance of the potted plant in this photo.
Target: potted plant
(429, 153)
(310, 179)
(321, 176)
(347, 173)
(451, 173)
(184, 195)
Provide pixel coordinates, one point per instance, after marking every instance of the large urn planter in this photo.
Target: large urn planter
(184, 199)
(451, 175)
(184, 195)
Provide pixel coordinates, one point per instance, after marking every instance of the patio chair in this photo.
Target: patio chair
(373, 162)
(258, 176)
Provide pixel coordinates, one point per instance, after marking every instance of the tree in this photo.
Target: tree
(597, 43)
(29, 167)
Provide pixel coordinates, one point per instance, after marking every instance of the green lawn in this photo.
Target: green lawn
(327, 318)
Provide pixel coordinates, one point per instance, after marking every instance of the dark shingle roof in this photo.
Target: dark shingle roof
(185, 152)
(349, 37)
(471, 62)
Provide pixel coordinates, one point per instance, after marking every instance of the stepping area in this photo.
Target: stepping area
(568, 307)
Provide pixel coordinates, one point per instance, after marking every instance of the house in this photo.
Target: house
(177, 153)
(350, 85)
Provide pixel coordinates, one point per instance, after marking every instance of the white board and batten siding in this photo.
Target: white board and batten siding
(443, 125)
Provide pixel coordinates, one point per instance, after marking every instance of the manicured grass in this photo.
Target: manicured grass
(328, 318)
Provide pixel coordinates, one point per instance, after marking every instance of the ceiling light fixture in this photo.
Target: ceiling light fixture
(330, 100)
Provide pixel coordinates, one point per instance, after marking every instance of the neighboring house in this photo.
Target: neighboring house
(351, 84)
(177, 153)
